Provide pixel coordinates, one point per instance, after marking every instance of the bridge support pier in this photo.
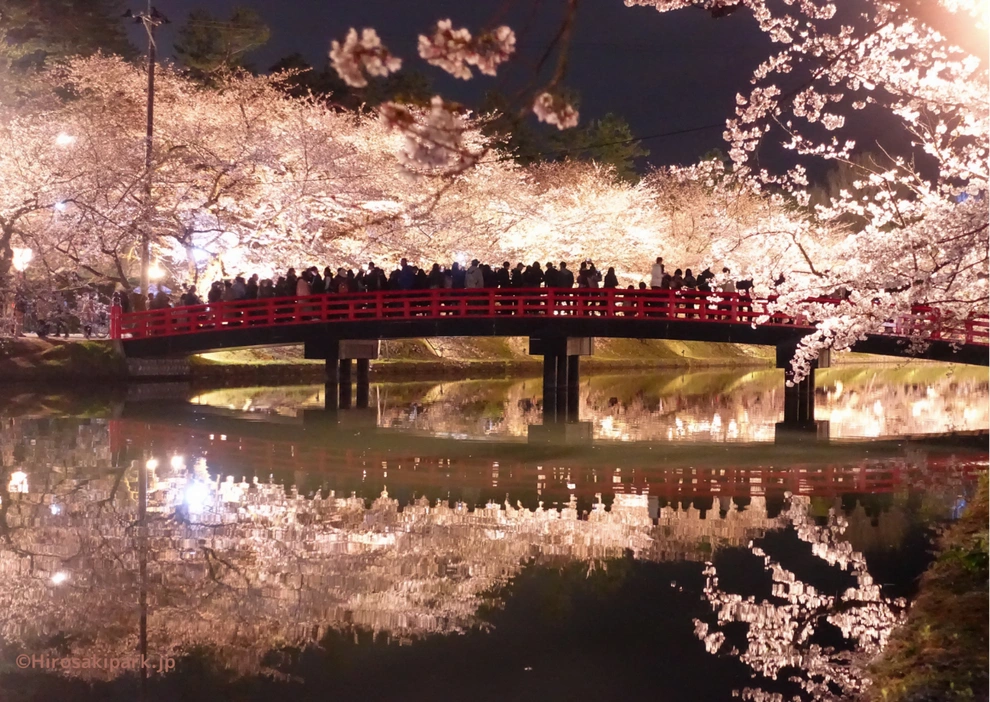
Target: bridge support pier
(561, 374)
(799, 397)
(339, 355)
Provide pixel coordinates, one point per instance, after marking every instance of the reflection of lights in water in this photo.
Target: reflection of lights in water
(177, 462)
(18, 482)
(878, 408)
(55, 508)
(60, 577)
(197, 496)
(848, 405)
(151, 464)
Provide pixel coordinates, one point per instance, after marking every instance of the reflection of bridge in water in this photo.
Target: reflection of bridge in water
(363, 457)
(715, 405)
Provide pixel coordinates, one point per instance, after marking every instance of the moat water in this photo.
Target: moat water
(441, 543)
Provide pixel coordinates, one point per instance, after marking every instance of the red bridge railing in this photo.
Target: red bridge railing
(714, 308)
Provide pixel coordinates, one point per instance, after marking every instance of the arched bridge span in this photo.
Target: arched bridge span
(541, 313)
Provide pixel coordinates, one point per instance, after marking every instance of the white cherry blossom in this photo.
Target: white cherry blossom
(355, 57)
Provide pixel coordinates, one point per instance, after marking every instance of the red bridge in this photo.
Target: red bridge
(542, 313)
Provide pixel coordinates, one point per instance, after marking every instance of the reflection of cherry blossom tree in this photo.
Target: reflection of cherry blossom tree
(780, 632)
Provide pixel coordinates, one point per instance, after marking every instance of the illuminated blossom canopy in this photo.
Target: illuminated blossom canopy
(246, 179)
(919, 67)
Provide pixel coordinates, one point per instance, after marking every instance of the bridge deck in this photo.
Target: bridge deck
(656, 314)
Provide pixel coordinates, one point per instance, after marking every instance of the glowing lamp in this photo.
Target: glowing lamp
(22, 257)
(18, 482)
(197, 495)
(64, 139)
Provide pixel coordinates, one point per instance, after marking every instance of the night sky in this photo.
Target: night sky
(661, 72)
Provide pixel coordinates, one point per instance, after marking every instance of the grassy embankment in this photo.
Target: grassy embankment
(53, 360)
(940, 653)
(485, 357)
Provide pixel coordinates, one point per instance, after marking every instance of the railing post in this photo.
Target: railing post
(115, 322)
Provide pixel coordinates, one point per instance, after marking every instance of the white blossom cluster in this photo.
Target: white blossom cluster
(434, 139)
(554, 110)
(357, 56)
(454, 50)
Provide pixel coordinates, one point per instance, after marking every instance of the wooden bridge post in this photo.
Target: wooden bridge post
(363, 369)
(573, 387)
(345, 383)
(550, 388)
(563, 386)
(330, 352)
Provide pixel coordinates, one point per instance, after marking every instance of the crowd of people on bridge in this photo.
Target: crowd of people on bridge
(408, 276)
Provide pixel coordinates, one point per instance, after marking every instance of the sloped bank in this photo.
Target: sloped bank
(51, 360)
(940, 652)
(475, 358)
(32, 360)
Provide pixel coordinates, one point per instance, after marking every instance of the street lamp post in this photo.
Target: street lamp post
(150, 19)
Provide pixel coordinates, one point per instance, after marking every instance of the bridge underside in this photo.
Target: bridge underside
(314, 336)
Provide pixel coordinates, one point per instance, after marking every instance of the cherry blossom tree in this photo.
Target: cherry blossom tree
(250, 180)
(920, 210)
(241, 173)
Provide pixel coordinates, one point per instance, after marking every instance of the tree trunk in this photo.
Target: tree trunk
(6, 254)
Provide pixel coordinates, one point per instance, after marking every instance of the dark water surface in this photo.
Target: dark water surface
(442, 544)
